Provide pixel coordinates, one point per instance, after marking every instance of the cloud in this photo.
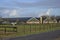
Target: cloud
(28, 12)
(6, 11)
(34, 3)
(44, 3)
(9, 13)
(49, 11)
(41, 14)
(46, 12)
(13, 13)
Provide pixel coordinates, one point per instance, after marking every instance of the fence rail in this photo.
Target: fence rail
(37, 28)
(30, 28)
(5, 29)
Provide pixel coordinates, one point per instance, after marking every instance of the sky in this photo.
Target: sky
(29, 8)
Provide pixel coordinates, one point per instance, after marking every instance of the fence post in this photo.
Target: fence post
(30, 28)
(24, 28)
(35, 27)
(39, 27)
(5, 30)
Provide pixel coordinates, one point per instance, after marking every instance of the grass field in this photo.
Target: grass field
(27, 29)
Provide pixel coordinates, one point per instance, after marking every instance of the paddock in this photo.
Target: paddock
(4, 29)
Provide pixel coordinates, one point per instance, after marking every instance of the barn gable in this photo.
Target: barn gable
(33, 20)
(49, 20)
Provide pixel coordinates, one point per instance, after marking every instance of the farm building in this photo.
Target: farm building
(30, 20)
(33, 21)
(49, 20)
(14, 20)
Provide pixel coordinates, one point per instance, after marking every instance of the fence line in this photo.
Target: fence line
(36, 27)
(32, 28)
(8, 29)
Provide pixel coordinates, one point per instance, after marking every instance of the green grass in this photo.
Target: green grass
(26, 29)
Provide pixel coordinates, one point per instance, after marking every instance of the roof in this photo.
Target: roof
(50, 19)
(33, 19)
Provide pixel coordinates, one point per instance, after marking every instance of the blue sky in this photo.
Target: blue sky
(29, 8)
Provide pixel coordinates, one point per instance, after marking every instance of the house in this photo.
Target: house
(15, 20)
(49, 20)
(33, 21)
(30, 20)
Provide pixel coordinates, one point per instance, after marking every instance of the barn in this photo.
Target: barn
(33, 20)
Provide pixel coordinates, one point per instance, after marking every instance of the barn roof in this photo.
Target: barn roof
(33, 19)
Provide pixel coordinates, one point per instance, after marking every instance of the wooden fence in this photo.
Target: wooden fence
(37, 28)
(5, 29)
(30, 28)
